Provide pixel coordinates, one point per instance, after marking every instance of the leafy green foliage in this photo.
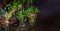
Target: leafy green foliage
(11, 8)
(2, 12)
(30, 1)
(22, 14)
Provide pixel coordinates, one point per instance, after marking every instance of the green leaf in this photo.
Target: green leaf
(2, 12)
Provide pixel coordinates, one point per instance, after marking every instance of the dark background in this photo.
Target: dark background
(49, 18)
